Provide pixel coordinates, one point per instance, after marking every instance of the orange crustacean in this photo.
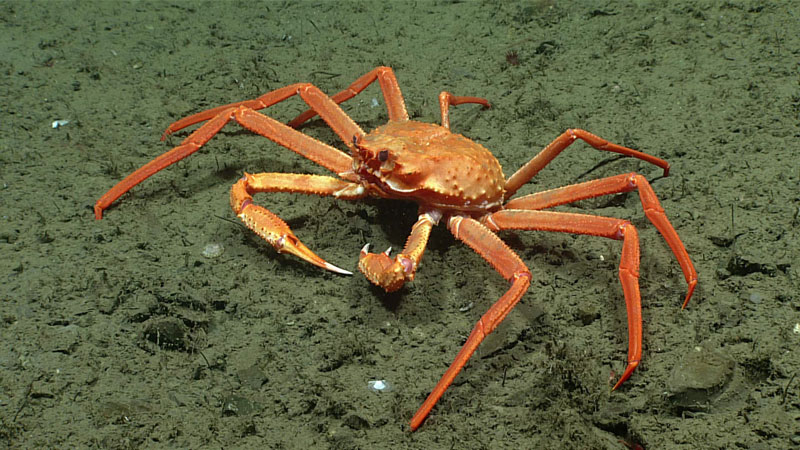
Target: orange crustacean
(452, 178)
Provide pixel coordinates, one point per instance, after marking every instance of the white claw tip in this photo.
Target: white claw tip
(365, 249)
(388, 251)
(333, 268)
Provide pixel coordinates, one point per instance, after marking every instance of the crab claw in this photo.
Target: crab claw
(289, 243)
(271, 228)
(383, 271)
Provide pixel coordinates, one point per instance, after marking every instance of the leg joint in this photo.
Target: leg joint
(303, 88)
(526, 274)
(622, 229)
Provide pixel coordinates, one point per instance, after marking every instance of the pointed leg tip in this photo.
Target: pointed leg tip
(632, 365)
(692, 285)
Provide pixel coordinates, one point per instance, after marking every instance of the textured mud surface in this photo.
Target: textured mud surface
(122, 333)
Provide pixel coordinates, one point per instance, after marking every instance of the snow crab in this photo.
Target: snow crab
(453, 180)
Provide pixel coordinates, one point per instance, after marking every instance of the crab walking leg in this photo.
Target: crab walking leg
(319, 152)
(392, 274)
(618, 229)
(532, 167)
(320, 103)
(614, 185)
(265, 101)
(447, 99)
(511, 267)
(331, 113)
(317, 100)
(391, 94)
(269, 226)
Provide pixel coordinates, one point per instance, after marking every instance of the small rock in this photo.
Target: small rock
(699, 377)
(236, 405)
(40, 389)
(721, 241)
(213, 250)
(253, 377)
(167, 333)
(356, 422)
(756, 297)
(62, 339)
(587, 314)
(742, 264)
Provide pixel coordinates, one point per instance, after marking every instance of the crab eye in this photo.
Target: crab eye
(383, 155)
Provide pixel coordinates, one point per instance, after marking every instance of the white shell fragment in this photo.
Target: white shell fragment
(213, 250)
(59, 123)
(379, 386)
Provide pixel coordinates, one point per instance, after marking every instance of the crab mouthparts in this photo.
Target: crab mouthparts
(370, 175)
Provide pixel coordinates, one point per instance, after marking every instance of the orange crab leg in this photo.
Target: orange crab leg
(447, 99)
(529, 170)
(511, 267)
(511, 219)
(265, 101)
(269, 226)
(614, 185)
(392, 274)
(243, 112)
(391, 95)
